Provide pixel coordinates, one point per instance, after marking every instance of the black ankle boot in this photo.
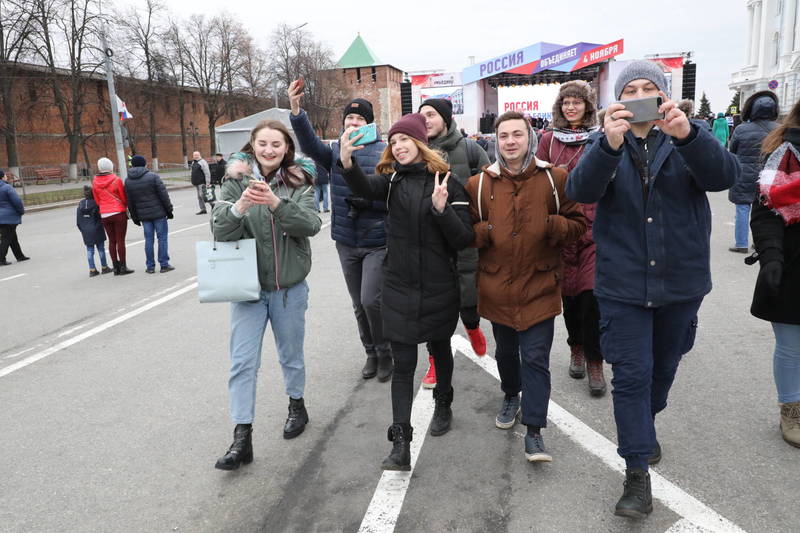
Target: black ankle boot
(297, 419)
(442, 414)
(400, 457)
(241, 451)
(385, 367)
(116, 267)
(123, 269)
(370, 367)
(637, 497)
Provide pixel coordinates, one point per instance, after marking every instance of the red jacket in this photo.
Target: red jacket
(578, 257)
(109, 193)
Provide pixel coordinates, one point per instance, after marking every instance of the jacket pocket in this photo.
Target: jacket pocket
(691, 334)
(552, 268)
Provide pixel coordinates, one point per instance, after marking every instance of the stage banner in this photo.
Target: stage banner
(534, 100)
(447, 79)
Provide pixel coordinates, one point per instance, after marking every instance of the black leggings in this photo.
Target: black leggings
(405, 363)
(582, 318)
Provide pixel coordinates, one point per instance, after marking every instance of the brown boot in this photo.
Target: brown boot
(790, 423)
(577, 362)
(597, 382)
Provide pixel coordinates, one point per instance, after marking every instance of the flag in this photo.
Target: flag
(124, 114)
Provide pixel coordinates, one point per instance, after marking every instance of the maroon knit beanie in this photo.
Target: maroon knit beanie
(412, 125)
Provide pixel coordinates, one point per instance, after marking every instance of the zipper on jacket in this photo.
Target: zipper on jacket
(275, 252)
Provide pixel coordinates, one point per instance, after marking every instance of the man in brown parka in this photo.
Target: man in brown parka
(522, 220)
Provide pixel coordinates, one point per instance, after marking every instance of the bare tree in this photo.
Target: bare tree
(255, 74)
(175, 75)
(65, 34)
(15, 28)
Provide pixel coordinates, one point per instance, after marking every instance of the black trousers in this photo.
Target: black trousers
(582, 318)
(405, 363)
(8, 239)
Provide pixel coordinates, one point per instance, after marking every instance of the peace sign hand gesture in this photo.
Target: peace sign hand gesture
(439, 196)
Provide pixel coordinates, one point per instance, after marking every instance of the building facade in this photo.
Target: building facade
(772, 51)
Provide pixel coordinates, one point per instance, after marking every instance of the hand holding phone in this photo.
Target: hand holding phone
(369, 134)
(675, 123)
(643, 109)
(295, 93)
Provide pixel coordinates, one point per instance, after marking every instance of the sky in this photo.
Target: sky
(427, 35)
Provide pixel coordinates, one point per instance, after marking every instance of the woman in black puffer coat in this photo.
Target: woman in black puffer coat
(427, 224)
(759, 114)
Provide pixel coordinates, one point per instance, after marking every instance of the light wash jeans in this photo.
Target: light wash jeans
(321, 194)
(742, 225)
(160, 229)
(285, 309)
(786, 361)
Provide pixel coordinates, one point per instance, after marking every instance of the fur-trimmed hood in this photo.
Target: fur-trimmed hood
(576, 89)
(747, 109)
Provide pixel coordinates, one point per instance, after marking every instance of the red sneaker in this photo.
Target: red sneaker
(477, 340)
(429, 381)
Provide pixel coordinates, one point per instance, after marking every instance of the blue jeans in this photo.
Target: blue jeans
(786, 361)
(285, 309)
(531, 375)
(321, 192)
(742, 229)
(101, 250)
(644, 347)
(160, 228)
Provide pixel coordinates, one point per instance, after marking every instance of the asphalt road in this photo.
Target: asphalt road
(113, 409)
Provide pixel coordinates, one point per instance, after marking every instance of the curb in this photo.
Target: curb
(72, 203)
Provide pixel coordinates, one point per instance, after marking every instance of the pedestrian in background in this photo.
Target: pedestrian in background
(201, 179)
(268, 195)
(321, 189)
(759, 113)
(466, 158)
(720, 129)
(653, 230)
(11, 211)
(523, 220)
(430, 221)
(150, 207)
(574, 119)
(776, 235)
(109, 193)
(357, 226)
(91, 228)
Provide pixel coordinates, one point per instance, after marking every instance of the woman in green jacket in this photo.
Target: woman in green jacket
(721, 129)
(268, 196)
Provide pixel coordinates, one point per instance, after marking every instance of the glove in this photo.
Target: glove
(358, 202)
(770, 275)
(170, 215)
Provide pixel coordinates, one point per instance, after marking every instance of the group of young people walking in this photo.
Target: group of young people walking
(590, 217)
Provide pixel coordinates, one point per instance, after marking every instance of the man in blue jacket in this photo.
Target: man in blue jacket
(357, 226)
(652, 231)
(11, 211)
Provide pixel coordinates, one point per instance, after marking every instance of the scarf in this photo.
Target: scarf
(779, 183)
(533, 143)
(293, 176)
(574, 136)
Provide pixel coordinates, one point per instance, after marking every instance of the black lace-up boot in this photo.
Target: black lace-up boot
(637, 498)
(400, 457)
(442, 413)
(241, 451)
(297, 419)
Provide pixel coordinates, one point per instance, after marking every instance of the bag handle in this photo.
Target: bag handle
(388, 194)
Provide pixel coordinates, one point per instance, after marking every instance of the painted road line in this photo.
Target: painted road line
(171, 233)
(94, 331)
(684, 526)
(26, 350)
(691, 509)
(388, 498)
(72, 330)
(13, 277)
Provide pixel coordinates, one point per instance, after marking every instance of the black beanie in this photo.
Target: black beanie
(138, 161)
(442, 106)
(359, 106)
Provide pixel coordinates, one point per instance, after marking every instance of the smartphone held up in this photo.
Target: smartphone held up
(643, 109)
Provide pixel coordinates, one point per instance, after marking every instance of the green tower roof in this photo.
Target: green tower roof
(359, 55)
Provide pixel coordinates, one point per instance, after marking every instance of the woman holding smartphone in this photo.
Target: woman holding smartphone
(429, 222)
(268, 196)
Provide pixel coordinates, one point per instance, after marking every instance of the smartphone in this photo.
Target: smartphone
(643, 109)
(370, 132)
(301, 83)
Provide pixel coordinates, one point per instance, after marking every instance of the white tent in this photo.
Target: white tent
(231, 137)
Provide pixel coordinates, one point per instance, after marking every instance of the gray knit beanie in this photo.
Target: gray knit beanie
(640, 70)
(104, 164)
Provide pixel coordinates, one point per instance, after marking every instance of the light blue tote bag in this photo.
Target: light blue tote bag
(227, 271)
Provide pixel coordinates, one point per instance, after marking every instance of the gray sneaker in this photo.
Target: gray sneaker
(507, 416)
(534, 449)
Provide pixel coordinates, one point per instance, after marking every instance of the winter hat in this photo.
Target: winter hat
(138, 161)
(412, 125)
(575, 89)
(359, 106)
(104, 164)
(442, 106)
(640, 70)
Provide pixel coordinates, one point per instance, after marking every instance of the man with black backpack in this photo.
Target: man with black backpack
(466, 158)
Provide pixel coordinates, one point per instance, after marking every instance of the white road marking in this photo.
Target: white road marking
(94, 331)
(385, 506)
(13, 277)
(26, 350)
(325, 225)
(684, 526)
(171, 233)
(76, 328)
(691, 509)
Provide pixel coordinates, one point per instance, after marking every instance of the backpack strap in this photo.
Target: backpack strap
(555, 191)
(480, 198)
(473, 159)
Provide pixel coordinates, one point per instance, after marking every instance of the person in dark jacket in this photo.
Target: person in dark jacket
(466, 158)
(11, 211)
(776, 235)
(652, 229)
(218, 171)
(357, 226)
(430, 221)
(91, 228)
(150, 207)
(759, 114)
(322, 188)
(201, 179)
